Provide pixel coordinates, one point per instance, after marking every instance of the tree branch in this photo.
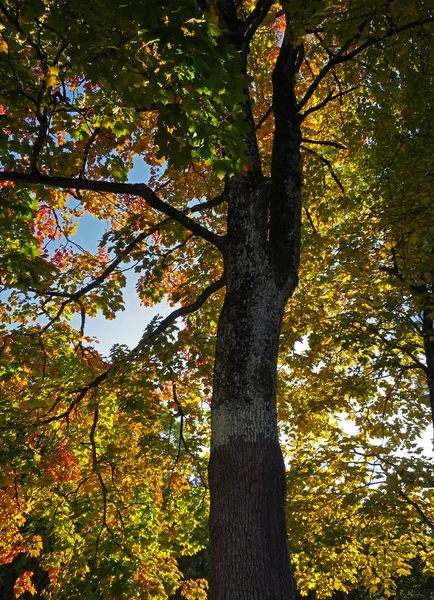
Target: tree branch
(329, 98)
(285, 193)
(264, 117)
(209, 204)
(147, 337)
(179, 312)
(87, 148)
(309, 217)
(418, 509)
(40, 139)
(252, 23)
(328, 164)
(112, 187)
(342, 56)
(325, 143)
(75, 297)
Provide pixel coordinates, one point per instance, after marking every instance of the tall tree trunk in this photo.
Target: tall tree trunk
(247, 474)
(249, 549)
(250, 555)
(428, 340)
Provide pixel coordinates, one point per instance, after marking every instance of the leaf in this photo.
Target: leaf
(53, 76)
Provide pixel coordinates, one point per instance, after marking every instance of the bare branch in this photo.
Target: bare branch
(325, 143)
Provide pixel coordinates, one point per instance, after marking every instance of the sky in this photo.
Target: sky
(128, 326)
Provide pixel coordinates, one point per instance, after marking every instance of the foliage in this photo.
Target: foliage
(104, 458)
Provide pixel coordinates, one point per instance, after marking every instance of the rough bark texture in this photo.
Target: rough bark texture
(428, 337)
(250, 557)
(247, 474)
(250, 551)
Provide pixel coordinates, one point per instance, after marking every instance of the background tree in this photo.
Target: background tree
(363, 335)
(219, 100)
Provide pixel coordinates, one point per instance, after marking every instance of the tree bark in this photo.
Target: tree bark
(250, 557)
(249, 548)
(428, 340)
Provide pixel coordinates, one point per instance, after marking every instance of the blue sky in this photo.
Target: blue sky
(129, 324)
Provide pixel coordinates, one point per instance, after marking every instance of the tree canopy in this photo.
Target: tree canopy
(104, 484)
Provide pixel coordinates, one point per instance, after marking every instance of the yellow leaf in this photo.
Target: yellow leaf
(52, 76)
(37, 546)
(3, 46)
(194, 589)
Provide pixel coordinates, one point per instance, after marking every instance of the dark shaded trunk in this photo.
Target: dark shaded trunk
(250, 555)
(428, 340)
(247, 522)
(249, 549)
(9, 573)
(247, 473)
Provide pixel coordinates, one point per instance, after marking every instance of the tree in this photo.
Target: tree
(363, 342)
(219, 99)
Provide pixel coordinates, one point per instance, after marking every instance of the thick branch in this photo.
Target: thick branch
(252, 23)
(285, 197)
(233, 26)
(75, 297)
(112, 187)
(209, 204)
(147, 338)
(234, 30)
